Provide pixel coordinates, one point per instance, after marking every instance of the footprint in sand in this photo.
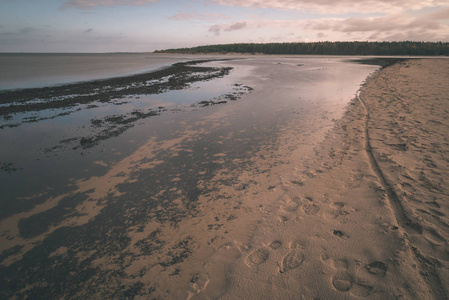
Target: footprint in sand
(289, 204)
(261, 255)
(338, 205)
(343, 281)
(297, 244)
(309, 207)
(340, 234)
(335, 210)
(293, 259)
(257, 257)
(377, 268)
(341, 264)
(275, 245)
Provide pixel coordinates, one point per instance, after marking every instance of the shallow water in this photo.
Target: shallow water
(46, 153)
(39, 70)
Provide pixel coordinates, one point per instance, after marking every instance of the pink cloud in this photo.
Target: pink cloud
(336, 6)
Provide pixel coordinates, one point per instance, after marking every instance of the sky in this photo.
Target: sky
(148, 25)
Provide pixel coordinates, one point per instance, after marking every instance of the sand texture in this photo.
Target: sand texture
(370, 218)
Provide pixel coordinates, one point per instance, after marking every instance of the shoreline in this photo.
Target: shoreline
(236, 201)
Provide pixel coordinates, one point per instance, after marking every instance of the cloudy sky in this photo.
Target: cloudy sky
(148, 25)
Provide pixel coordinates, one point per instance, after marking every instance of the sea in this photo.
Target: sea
(32, 70)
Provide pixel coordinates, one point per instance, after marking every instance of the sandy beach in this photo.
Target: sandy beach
(369, 219)
(332, 201)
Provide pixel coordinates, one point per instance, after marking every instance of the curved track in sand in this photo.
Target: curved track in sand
(426, 263)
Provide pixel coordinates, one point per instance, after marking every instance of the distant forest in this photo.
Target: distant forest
(324, 48)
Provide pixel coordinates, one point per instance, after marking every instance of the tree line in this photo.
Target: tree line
(323, 48)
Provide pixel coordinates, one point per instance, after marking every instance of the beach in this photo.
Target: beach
(276, 192)
(369, 218)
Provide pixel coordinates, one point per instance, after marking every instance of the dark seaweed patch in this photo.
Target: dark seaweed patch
(179, 76)
(8, 168)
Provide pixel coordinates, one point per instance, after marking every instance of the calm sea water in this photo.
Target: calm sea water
(38, 70)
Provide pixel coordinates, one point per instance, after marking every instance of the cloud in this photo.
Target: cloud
(217, 29)
(422, 27)
(411, 35)
(394, 27)
(197, 16)
(236, 26)
(336, 6)
(88, 30)
(384, 24)
(90, 4)
(441, 15)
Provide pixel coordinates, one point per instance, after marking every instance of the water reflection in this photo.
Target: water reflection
(48, 147)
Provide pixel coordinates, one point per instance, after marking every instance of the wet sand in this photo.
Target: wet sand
(348, 204)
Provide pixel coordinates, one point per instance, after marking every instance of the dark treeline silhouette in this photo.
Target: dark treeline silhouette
(324, 48)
